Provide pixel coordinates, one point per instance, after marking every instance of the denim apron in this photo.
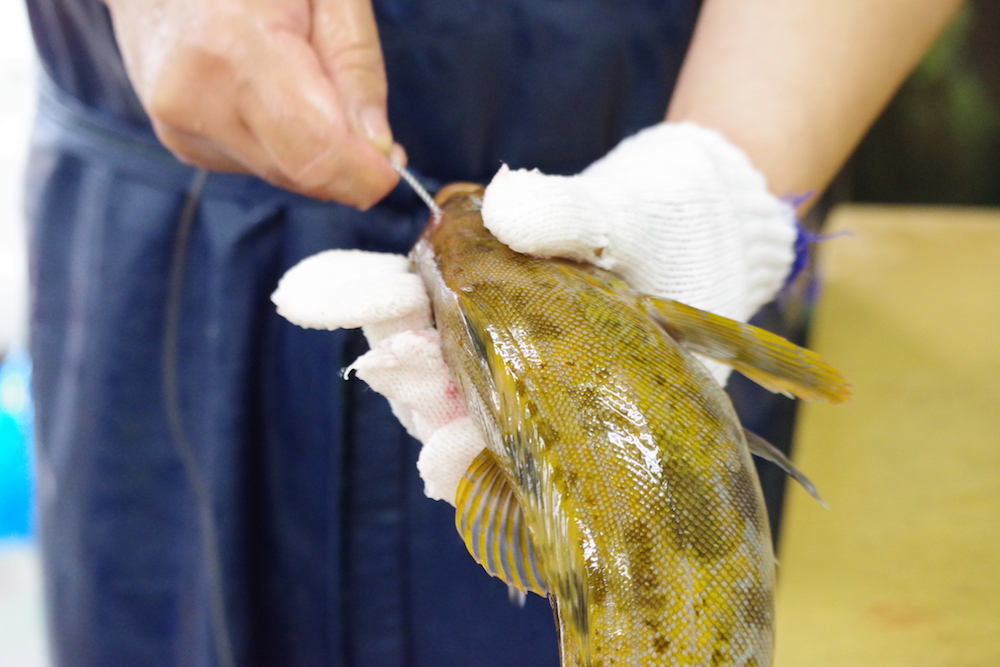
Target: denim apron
(212, 492)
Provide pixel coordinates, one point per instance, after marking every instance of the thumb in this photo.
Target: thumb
(345, 37)
(548, 216)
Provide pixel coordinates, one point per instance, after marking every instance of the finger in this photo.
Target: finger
(191, 107)
(214, 137)
(199, 152)
(232, 148)
(346, 38)
(193, 150)
(295, 115)
(398, 156)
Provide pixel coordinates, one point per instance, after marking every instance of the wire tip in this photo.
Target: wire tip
(421, 191)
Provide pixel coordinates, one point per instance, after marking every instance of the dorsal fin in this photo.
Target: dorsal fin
(766, 358)
(491, 523)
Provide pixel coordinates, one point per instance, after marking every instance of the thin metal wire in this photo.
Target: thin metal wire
(417, 187)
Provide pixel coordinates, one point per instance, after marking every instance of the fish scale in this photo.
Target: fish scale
(608, 518)
(621, 453)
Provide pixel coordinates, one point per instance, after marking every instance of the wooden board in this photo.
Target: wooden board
(904, 569)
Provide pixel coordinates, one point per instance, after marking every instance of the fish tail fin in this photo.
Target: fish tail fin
(766, 358)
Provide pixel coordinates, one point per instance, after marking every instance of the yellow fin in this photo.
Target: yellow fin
(766, 358)
(491, 523)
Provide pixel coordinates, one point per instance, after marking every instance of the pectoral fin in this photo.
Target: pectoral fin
(767, 359)
(491, 523)
(765, 450)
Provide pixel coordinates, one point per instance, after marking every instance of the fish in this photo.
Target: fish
(617, 480)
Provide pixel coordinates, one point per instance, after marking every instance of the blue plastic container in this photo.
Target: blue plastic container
(16, 452)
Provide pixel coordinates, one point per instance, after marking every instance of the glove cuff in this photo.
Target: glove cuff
(766, 225)
(695, 220)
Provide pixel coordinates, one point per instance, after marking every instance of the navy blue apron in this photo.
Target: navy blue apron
(211, 491)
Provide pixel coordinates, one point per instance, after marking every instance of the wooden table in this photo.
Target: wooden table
(904, 569)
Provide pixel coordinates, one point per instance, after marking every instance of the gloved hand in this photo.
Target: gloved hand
(676, 210)
(377, 292)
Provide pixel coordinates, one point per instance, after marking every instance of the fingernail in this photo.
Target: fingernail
(376, 128)
(398, 155)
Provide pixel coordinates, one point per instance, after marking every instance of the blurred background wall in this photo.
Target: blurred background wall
(17, 81)
(22, 641)
(938, 141)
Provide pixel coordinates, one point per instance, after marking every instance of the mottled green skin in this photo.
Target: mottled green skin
(626, 457)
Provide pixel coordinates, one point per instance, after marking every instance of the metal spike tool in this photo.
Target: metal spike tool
(405, 174)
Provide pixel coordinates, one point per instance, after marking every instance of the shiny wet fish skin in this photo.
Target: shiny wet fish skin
(618, 474)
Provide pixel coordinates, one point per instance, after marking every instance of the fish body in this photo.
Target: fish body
(617, 479)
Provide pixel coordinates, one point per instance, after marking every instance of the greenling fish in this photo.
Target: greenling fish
(617, 479)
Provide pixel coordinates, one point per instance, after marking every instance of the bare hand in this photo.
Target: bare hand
(293, 91)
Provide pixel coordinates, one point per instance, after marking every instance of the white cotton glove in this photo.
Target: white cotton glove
(676, 210)
(377, 292)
